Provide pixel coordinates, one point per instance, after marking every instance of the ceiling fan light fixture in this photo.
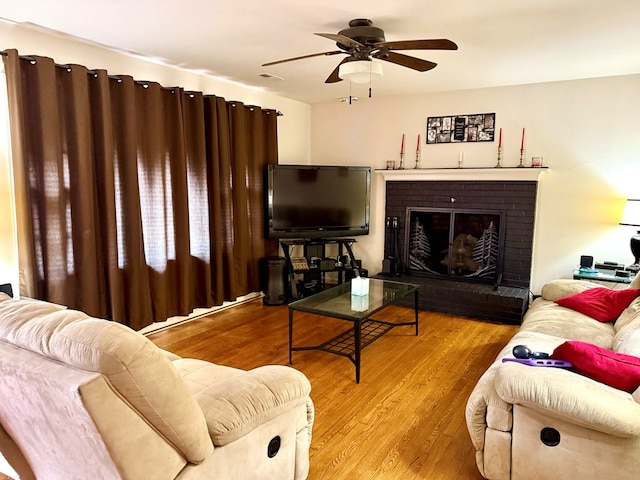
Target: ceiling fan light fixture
(360, 71)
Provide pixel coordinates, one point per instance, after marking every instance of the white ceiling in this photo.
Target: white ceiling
(500, 42)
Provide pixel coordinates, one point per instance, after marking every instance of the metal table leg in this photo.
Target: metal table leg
(357, 334)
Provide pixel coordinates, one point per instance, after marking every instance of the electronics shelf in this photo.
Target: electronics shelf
(307, 273)
(604, 277)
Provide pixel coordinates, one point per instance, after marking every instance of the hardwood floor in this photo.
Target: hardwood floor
(405, 420)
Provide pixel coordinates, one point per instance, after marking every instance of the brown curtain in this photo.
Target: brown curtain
(136, 202)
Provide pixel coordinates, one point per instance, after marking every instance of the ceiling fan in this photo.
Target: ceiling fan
(362, 42)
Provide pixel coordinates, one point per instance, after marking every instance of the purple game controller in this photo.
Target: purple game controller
(540, 362)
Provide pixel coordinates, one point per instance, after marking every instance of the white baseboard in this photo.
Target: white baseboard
(197, 313)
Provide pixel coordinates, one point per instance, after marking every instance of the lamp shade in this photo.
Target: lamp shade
(359, 71)
(631, 213)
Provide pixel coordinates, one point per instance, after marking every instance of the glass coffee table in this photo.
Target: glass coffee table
(337, 302)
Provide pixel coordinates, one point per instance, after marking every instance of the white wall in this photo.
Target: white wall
(586, 130)
(293, 126)
(8, 241)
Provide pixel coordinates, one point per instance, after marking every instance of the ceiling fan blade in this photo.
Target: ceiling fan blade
(303, 56)
(341, 39)
(435, 44)
(406, 61)
(334, 78)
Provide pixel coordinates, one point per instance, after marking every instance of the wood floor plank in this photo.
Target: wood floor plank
(406, 417)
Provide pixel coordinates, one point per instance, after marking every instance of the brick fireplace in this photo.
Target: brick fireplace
(505, 297)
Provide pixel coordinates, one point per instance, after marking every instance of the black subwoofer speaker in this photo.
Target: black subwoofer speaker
(274, 280)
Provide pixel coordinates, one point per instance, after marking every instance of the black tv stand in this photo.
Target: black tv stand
(310, 279)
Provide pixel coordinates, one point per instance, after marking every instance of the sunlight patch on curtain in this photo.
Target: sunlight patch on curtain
(156, 208)
(119, 214)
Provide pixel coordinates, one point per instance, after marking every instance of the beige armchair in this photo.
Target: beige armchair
(87, 398)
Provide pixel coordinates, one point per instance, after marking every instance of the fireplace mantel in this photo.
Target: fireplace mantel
(461, 174)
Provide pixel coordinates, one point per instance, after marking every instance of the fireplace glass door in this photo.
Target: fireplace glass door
(457, 244)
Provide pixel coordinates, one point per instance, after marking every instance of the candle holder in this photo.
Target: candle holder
(521, 164)
(417, 159)
(401, 167)
(499, 164)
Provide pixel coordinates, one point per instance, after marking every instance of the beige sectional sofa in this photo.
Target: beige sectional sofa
(84, 398)
(540, 423)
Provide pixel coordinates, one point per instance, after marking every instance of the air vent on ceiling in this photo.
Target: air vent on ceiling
(269, 75)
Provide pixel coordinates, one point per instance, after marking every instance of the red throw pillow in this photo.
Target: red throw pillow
(606, 366)
(603, 304)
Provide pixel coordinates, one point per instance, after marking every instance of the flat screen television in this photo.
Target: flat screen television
(317, 201)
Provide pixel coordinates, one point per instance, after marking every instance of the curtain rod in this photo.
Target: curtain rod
(89, 71)
(139, 82)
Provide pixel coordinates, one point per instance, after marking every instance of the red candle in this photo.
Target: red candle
(402, 145)
(500, 138)
(418, 144)
(522, 142)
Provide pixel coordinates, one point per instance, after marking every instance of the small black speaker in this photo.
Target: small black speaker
(386, 266)
(389, 266)
(586, 261)
(273, 280)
